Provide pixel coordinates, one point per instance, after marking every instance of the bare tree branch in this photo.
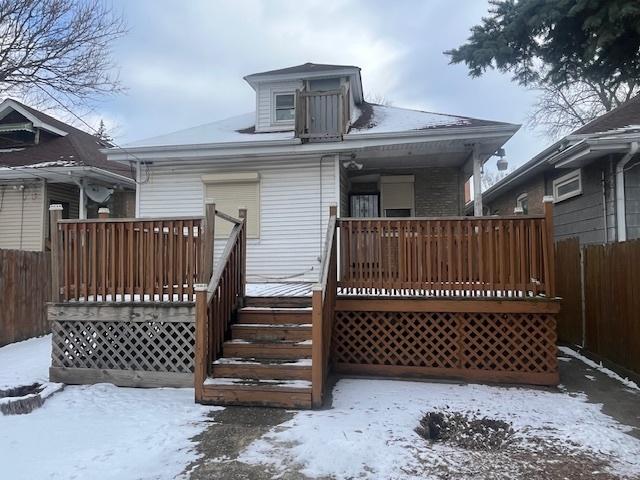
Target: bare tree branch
(62, 47)
(560, 109)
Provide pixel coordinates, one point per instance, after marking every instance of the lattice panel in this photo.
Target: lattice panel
(493, 342)
(148, 346)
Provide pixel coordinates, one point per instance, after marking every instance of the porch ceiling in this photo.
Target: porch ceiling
(443, 153)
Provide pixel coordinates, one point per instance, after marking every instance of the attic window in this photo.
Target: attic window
(523, 202)
(285, 107)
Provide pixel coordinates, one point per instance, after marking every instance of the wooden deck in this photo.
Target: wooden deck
(467, 298)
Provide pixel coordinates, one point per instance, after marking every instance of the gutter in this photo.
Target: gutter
(620, 197)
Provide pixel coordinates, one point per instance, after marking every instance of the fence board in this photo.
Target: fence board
(24, 290)
(611, 300)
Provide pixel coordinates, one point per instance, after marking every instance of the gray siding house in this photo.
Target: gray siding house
(593, 175)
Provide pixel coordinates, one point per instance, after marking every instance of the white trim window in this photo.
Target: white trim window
(522, 202)
(567, 186)
(284, 109)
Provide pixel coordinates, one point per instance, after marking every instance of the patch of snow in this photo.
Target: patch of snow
(305, 342)
(369, 432)
(56, 163)
(301, 384)
(222, 131)
(599, 367)
(94, 431)
(47, 389)
(25, 363)
(388, 119)
(590, 377)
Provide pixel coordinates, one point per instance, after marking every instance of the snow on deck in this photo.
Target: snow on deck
(94, 431)
(279, 289)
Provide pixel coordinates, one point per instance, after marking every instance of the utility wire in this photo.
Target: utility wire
(113, 143)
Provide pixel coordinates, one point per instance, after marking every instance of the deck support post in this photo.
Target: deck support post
(55, 214)
(550, 257)
(477, 182)
(200, 364)
(207, 230)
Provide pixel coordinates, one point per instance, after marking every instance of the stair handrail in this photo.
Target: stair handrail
(323, 308)
(217, 300)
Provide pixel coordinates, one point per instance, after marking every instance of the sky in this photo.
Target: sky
(183, 63)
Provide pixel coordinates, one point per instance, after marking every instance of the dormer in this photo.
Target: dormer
(316, 101)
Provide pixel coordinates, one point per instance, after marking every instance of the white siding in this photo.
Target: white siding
(22, 216)
(264, 97)
(294, 214)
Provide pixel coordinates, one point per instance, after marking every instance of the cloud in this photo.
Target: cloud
(183, 64)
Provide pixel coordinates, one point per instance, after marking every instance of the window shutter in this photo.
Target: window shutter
(230, 193)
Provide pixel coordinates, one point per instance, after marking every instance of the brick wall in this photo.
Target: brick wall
(439, 191)
(506, 202)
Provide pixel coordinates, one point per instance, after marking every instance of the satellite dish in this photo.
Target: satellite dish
(98, 193)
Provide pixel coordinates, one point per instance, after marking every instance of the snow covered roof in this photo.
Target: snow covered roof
(373, 119)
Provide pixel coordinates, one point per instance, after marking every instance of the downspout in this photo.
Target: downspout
(620, 197)
(82, 202)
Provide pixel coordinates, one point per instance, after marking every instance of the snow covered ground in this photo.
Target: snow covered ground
(369, 433)
(94, 431)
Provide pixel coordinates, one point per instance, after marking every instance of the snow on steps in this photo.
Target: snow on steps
(263, 368)
(271, 393)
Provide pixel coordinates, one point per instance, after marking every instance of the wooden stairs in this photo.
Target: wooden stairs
(267, 360)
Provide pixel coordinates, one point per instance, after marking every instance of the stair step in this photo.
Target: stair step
(278, 302)
(267, 332)
(260, 349)
(274, 315)
(263, 368)
(268, 393)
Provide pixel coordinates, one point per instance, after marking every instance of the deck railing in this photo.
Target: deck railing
(111, 259)
(456, 256)
(322, 114)
(217, 301)
(323, 303)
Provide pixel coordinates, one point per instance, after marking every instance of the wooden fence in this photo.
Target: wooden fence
(127, 259)
(601, 300)
(461, 256)
(24, 291)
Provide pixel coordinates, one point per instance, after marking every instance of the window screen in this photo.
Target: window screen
(285, 109)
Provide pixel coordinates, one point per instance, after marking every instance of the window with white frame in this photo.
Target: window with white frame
(567, 186)
(523, 202)
(284, 105)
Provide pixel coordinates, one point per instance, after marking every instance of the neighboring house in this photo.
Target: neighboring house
(45, 161)
(593, 175)
(312, 141)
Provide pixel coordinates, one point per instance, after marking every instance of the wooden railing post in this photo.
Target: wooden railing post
(550, 256)
(55, 214)
(200, 362)
(103, 213)
(207, 232)
(317, 363)
(242, 214)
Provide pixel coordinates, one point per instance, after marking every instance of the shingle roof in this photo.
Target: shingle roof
(304, 68)
(77, 146)
(626, 114)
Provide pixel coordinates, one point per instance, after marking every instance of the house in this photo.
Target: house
(320, 233)
(593, 176)
(45, 161)
(312, 141)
